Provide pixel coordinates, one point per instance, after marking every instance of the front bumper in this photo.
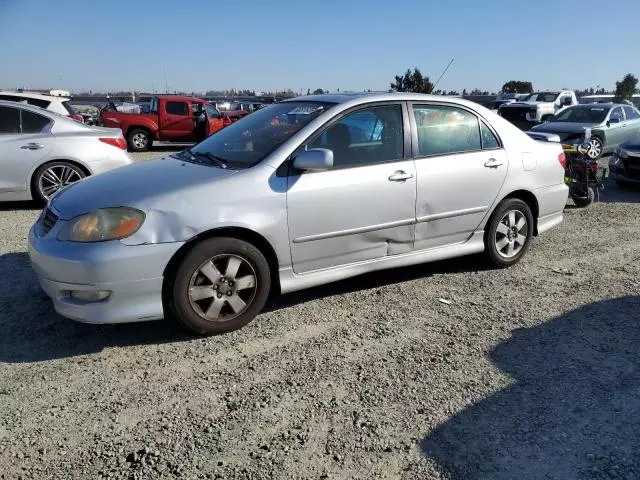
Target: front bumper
(133, 276)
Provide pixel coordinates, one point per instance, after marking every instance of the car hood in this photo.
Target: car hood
(138, 186)
(563, 127)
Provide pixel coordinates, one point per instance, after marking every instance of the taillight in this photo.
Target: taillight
(119, 142)
(562, 158)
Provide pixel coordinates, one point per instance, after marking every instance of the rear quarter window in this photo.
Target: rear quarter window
(33, 123)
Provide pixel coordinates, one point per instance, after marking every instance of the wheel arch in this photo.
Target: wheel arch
(527, 197)
(241, 233)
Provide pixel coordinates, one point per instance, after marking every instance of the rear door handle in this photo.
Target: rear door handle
(32, 146)
(400, 176)
(493, 163)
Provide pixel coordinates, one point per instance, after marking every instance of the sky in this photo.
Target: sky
(262, 45)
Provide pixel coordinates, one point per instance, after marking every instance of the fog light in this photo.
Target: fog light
(90, 295)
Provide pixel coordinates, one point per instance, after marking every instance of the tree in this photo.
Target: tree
(318, 91)
(464, 92)
(412, 82)
(517, 86)
(627, 87)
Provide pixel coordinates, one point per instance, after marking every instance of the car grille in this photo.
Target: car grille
(48, 221)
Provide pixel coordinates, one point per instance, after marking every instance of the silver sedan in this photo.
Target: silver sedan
(42, 152)
(300, 193)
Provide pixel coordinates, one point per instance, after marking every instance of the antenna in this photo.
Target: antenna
(442, 74)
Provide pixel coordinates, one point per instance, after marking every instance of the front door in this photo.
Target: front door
(460, 167)
(177, 122)
(24, 141)
(214, 119)
(364, 207)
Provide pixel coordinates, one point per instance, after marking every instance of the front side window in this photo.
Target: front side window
(617, 113)
(9, 120)
(177, 108)
(32, 122)
(246, 143)
(631, 113)
(444, 129)
(211, 111)
(196, 108)
(368, 136)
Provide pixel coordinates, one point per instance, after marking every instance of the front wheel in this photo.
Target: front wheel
(509, 232)
(595, 148)
(220, 286)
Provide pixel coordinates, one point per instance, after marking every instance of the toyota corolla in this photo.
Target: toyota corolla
(300, 193)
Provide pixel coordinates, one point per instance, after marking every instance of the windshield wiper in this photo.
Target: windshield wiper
(223, 163)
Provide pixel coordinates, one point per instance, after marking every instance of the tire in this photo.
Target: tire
(596, 147)
(585, 202)
(212, 303)
(52, 176)
(139, 140)
(502, 226)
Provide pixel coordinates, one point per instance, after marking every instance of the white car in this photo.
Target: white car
(42, 152)
(59, 105)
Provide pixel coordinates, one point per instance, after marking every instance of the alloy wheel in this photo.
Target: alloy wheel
(511, 234)
(140, 140)
(595, 148)
(220, 297)
(57, 177)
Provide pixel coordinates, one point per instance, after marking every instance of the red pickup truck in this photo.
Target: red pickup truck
(171, 118)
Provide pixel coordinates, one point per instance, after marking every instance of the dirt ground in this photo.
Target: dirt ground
(446, 370)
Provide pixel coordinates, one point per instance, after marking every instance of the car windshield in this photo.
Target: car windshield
(541, 97)
(249, 140)
(582, 115)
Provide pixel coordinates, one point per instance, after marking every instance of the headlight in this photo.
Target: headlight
(102, 225)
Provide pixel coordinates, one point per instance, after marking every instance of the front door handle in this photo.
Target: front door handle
(400, 176)
(493, 163)
(32, 146)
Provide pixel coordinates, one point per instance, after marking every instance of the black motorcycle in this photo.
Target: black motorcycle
(584, 176)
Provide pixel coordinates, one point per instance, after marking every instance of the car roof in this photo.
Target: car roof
(367, 97)
(39, 96)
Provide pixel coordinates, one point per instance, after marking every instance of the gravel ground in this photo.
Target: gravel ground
(528, 373)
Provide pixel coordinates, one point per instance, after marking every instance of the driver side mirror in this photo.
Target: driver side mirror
(315, 160)
(614, 120)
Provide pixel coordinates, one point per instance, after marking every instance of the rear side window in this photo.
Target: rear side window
(38, 102)
(489, 140)
(444, 129)
(9, 120)
(177, 108)
(631, 113)
(32, 122)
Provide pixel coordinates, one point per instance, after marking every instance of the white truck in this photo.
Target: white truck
(536, 107)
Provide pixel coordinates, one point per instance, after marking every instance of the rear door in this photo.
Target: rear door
(25, 139)
(632, 120)
(616, 131)
(177, 122)
(460, 166)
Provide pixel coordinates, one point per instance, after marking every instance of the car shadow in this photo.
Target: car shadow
(32, 331)
(571, 411)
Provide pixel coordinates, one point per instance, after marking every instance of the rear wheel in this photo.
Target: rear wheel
(139, 140)
(220, 286)
(509, 232)
(53, 176)
(585, 201)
